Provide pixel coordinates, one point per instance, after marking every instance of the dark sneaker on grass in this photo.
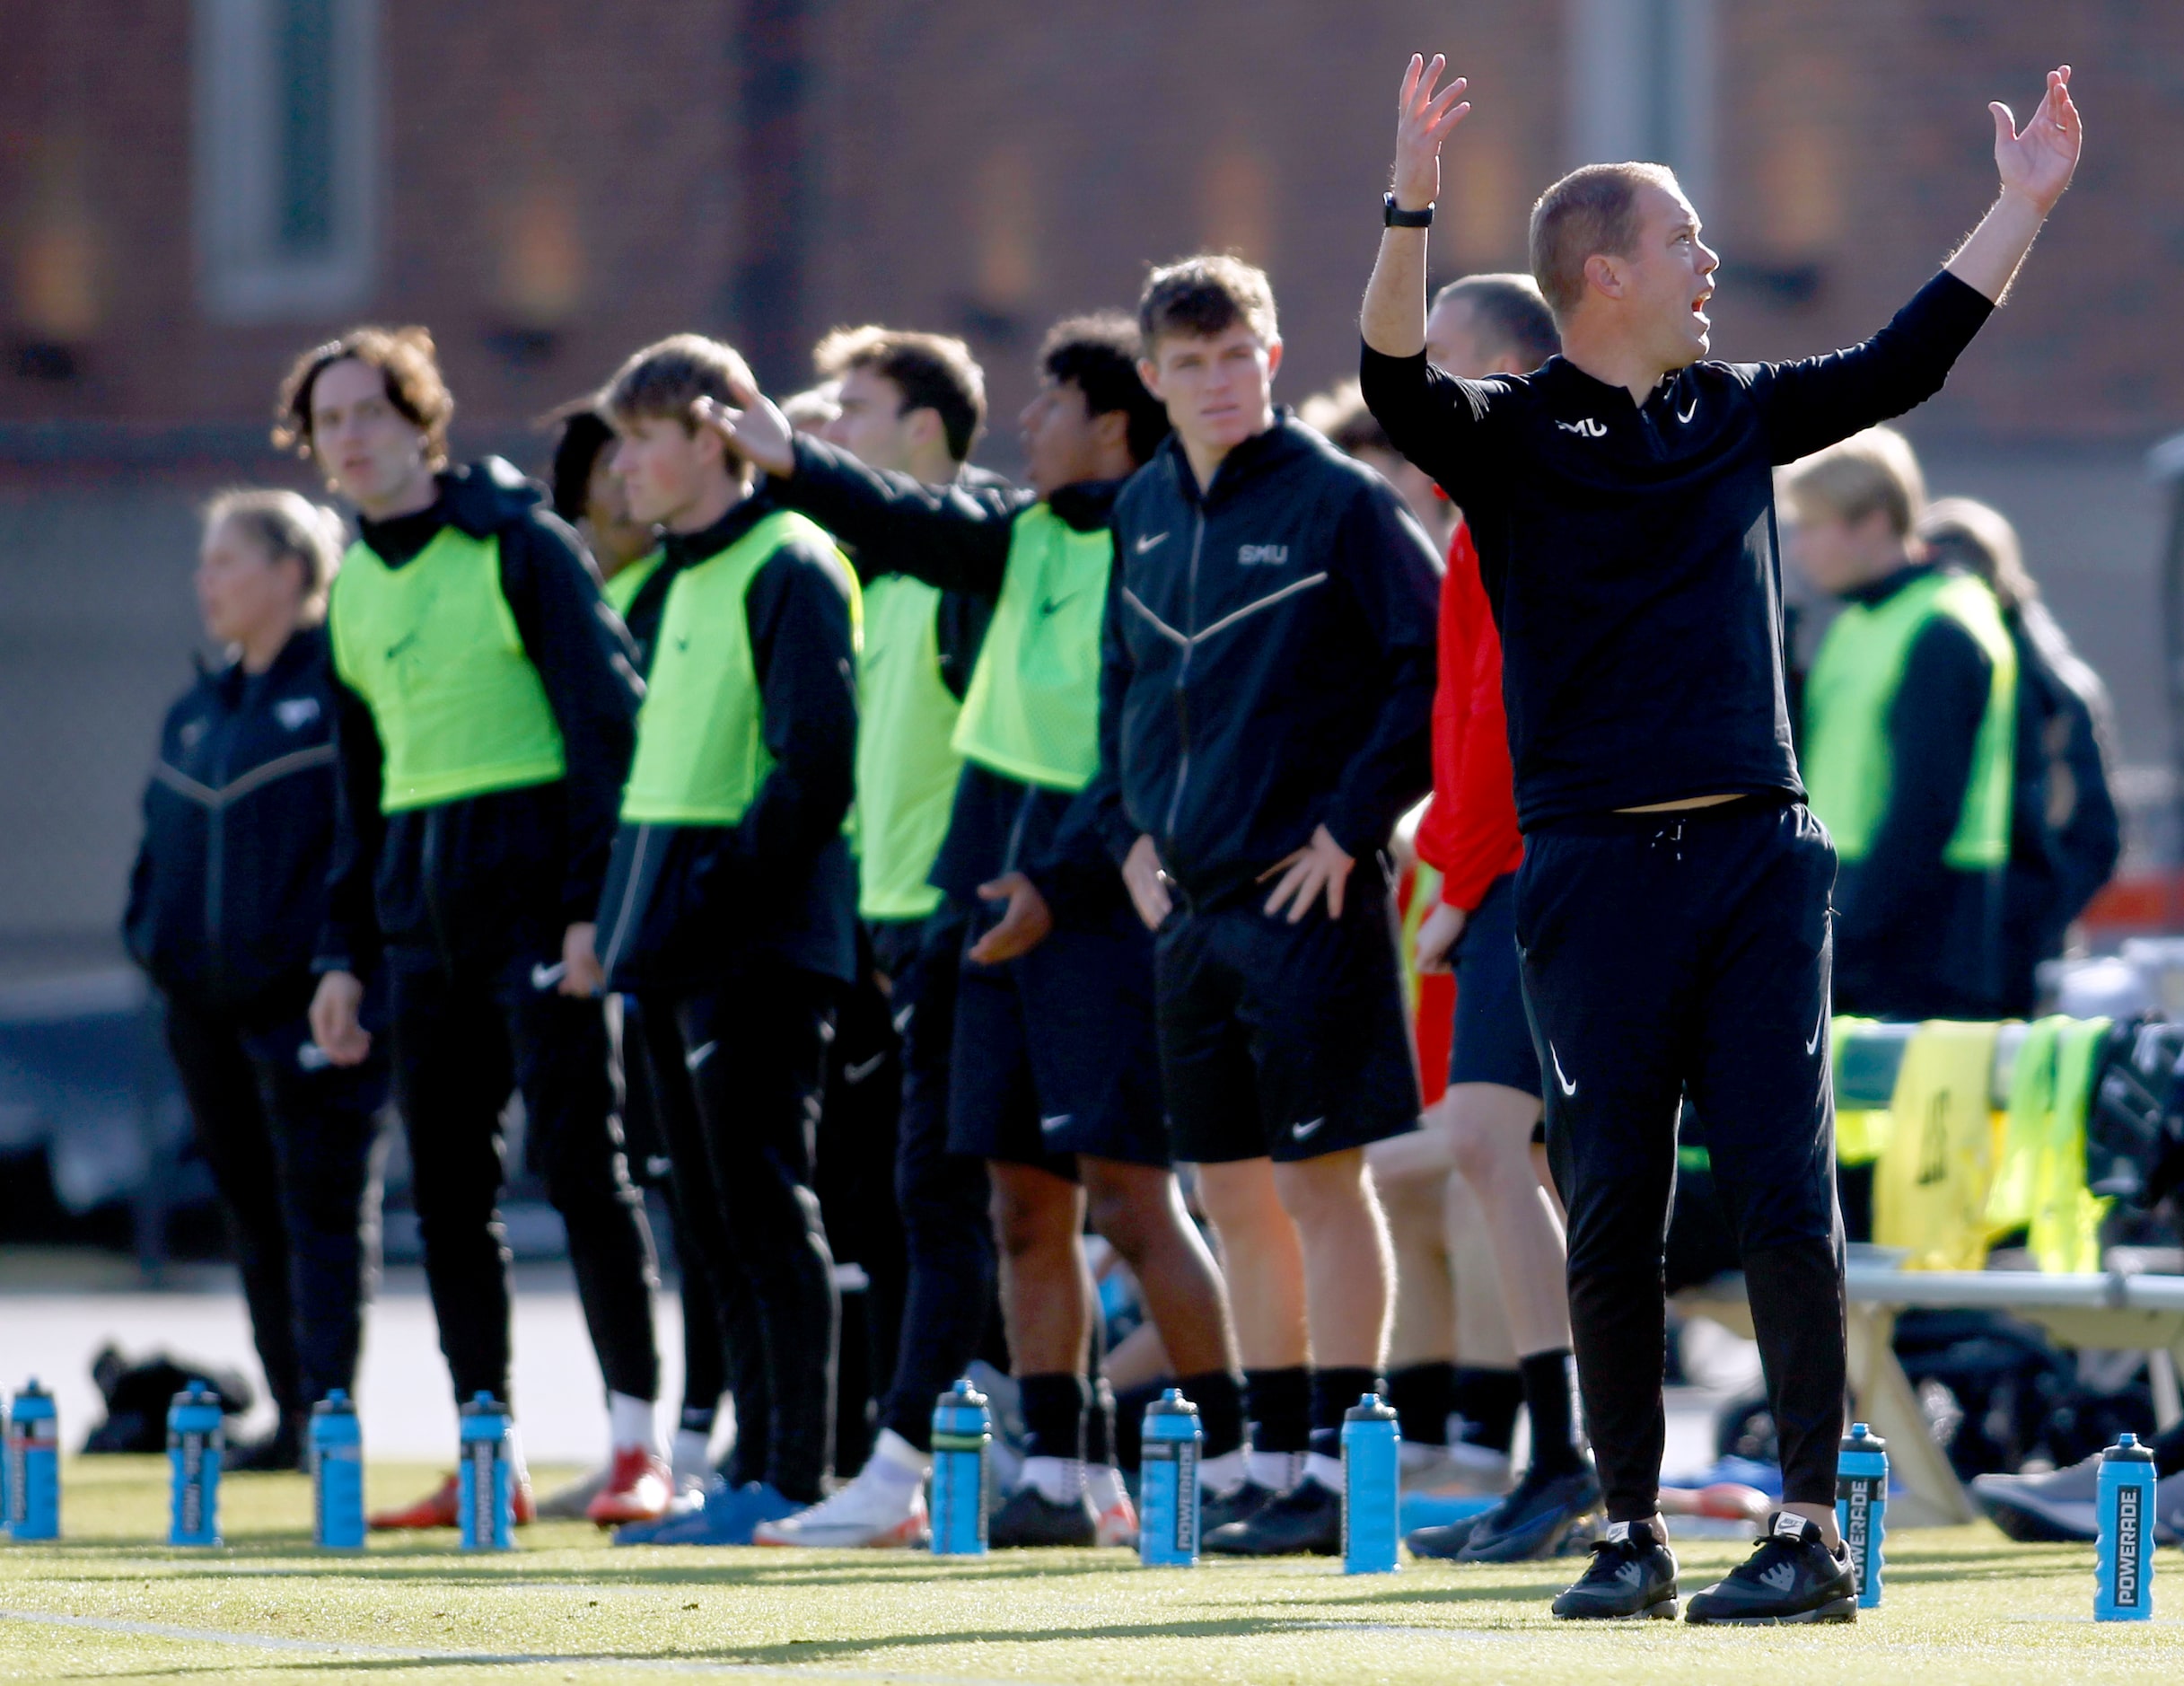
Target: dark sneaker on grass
(1306, 1519)
(2052, 1509)
(1031, 1518)
(1241, 1502)
(1535, 1519)
(1444, 1539)
(1791, 1576)
(1633, 1574)
(283, 1449)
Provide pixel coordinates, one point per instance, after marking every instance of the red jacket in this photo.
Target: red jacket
(1469, 832)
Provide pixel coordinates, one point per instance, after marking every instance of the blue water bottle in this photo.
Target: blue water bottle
(7, 1457)
(2123, 1560)
(1167, 1493)
(337, 1474)
(485, 1481)
(962, 1432)
(34, 1465)
(1860, 1508)
(195, 1442)
(1371, 1451)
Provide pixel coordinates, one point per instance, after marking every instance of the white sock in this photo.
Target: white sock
(1103, 1486)
(1277, 1471)
(1326, 1471)
(1224, 1474)
(516, 1466)
(895, 1460)
(1058, 1479)
(693, 1454)
(630, 1422)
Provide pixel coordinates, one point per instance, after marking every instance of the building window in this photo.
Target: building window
(287, 178)
(1642, 86)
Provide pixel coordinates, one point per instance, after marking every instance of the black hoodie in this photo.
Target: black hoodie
(498, 876)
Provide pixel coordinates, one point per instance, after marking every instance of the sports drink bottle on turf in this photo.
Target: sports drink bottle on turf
(484, 1477)
(195, 1442)
(33, 1465)
(1167, 1493)
(1371, 1453)
(2123, 1560)
(337, 1474)
(1860, 1508)
(963, 1433)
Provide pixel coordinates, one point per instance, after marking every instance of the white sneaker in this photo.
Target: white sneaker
(1110, 1502)
(878, 1509)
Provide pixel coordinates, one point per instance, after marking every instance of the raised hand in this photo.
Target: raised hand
(757, 428)
(1424, 117)
(2037, 161)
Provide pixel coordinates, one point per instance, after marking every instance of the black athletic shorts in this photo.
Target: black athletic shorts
(1285, 1040)
(1492, 1037)
(1054, 1051)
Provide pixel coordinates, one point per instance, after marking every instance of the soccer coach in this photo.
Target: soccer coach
(1671, 912)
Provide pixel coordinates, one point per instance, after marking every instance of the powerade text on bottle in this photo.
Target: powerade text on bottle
(337, 1474)
(2123, 1560)
(484, 1480)
(962, 1431)
(33, 1465)
(1167, 1494)
(195, 1441)
(1370, 1453)
(1861, 1505)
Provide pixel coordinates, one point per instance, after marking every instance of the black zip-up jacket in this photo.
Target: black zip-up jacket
(499, 876)
(1629, 551)
(957, 538)
(228, 888)
(685, 905)
(1270, 660)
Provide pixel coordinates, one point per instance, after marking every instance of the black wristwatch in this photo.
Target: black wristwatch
(1393, 216)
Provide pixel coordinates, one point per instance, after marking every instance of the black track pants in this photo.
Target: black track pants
(290, 1147)
(755, 1050)
(462, 1039)
(943, 1198)
(1667, 955)
(712, 1287)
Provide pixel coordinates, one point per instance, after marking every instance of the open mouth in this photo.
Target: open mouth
(1698, 305)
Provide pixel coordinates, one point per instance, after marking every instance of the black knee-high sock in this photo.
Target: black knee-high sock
(1424, 1398)
(1333, 1392)
(1219, 1397)
(1100, 1424)
(1550, 1387)
(1054, 1410)
(1280, 1406)
(1488, 1401)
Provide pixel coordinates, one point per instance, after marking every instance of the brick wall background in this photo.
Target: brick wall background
(559, 182)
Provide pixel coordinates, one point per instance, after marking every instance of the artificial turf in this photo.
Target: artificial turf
(110, 1603)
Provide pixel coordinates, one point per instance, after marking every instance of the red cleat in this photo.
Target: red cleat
(438, 1510)
(638, 1488)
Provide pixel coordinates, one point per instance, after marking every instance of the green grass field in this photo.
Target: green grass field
(110, 1604)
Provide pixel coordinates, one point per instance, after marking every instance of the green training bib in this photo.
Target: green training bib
(906, 763)
(433, 649)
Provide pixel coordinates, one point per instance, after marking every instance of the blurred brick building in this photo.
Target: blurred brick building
(192, 191)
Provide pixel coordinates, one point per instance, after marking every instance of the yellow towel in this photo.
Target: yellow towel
(2064, 1227)
(2015, 1196)
(1930, 1188)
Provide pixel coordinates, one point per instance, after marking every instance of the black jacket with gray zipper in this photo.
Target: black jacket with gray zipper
(228, 888)
(1268, 664)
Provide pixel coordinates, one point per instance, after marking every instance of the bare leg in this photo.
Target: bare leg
(1139, 1208)
(1264, 1260)
(1489, 1130)
(1348, 1268)
(1038, 1220)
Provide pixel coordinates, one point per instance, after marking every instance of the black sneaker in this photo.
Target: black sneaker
(1241, 1502)
(1633, 1574)
(281, 1450)
(1031, 1518)
(1307, 1518)
(1442, 1539)
(1535, 1519)
(1791, 1576)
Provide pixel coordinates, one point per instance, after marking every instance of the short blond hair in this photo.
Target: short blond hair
(290, 528)
(1591, 210)
(1876, 470)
